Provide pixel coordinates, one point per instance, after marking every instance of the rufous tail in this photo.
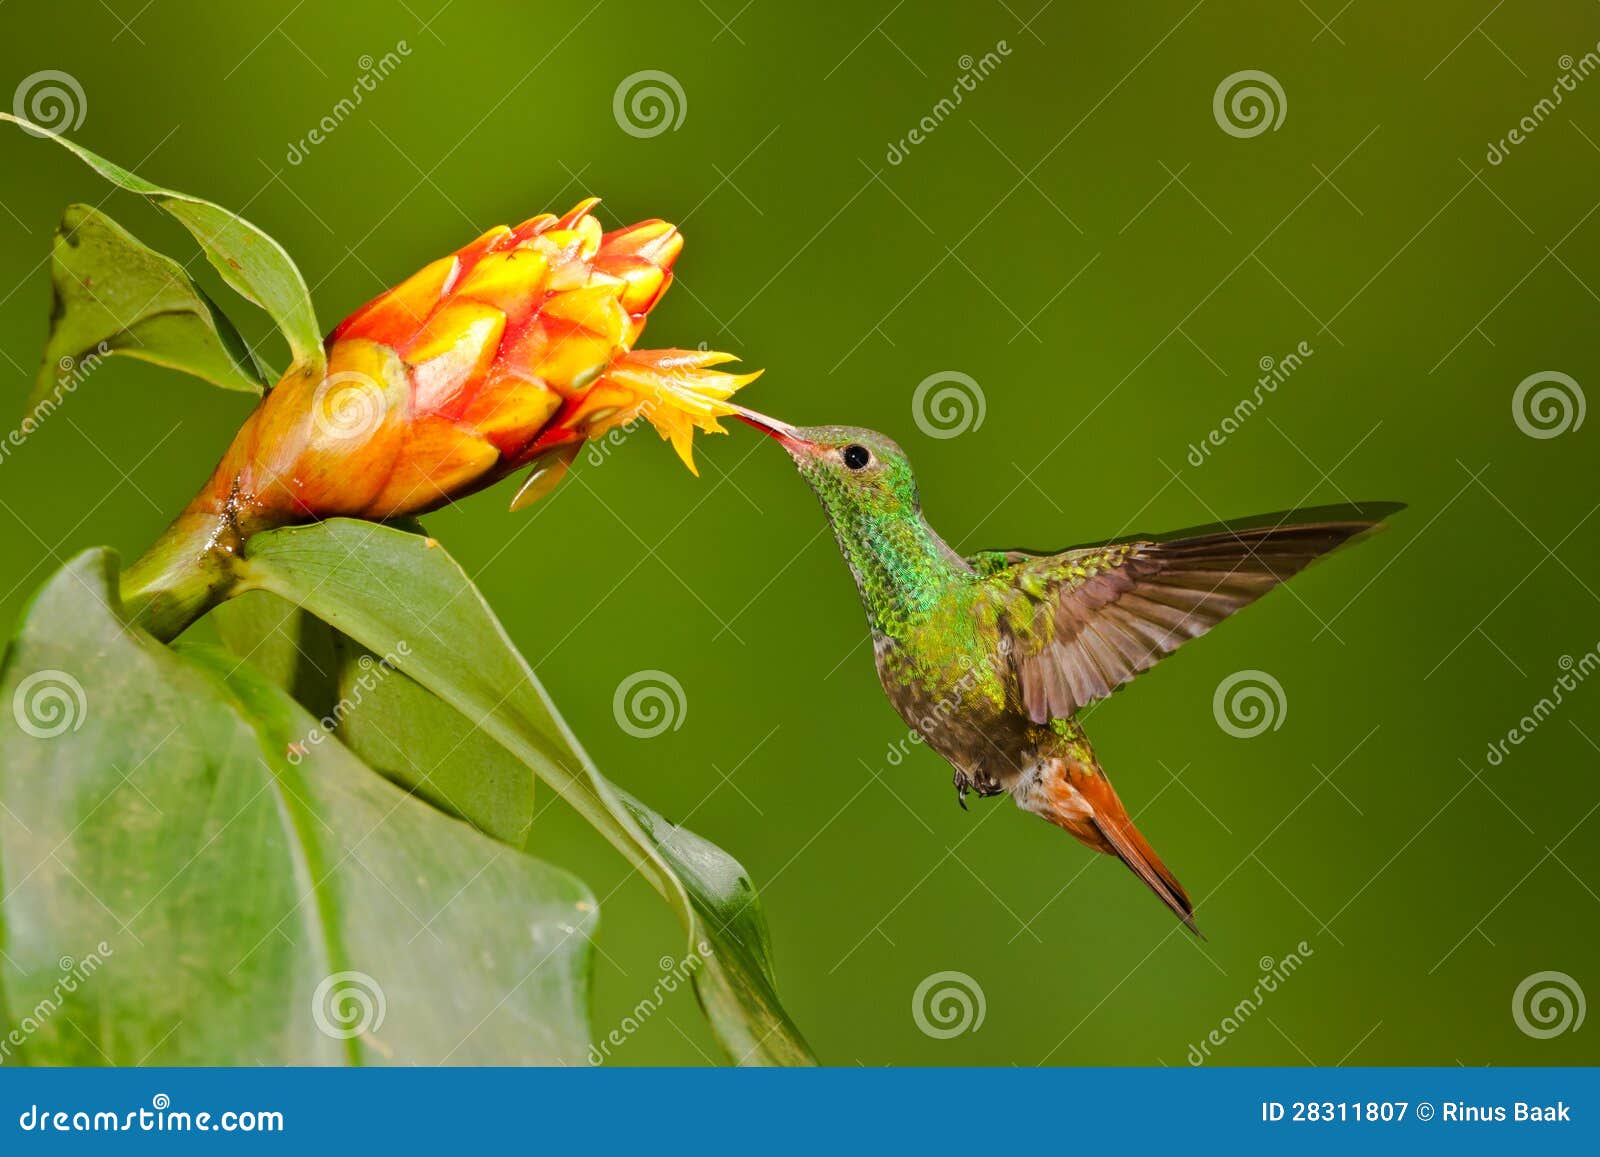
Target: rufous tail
(1074, 794)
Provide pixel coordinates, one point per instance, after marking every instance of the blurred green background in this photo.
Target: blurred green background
(1110, 267)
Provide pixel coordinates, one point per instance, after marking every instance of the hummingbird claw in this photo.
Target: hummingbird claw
(963, 785)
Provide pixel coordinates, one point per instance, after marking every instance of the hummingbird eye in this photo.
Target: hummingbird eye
(856, 456)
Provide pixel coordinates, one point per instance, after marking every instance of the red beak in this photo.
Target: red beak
(782, 431)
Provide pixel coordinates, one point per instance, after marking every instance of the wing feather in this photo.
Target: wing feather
(1084, 622)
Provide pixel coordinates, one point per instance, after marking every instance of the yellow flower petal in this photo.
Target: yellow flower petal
(677, 391)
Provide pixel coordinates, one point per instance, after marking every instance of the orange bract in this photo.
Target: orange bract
(515, 348)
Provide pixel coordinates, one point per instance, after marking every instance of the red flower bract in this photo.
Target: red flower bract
(507, 353)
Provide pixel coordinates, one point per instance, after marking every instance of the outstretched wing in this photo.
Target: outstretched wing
(1082, 623)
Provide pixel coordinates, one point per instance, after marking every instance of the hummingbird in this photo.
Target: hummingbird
(990, 657)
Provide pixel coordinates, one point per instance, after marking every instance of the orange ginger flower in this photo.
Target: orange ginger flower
(510, 351)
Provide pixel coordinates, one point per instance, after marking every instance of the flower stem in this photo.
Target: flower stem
(186, 572)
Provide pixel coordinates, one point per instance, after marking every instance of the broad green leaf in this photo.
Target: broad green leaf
(114, 295)
(251, 262)
(388, 589)
(291, 648)
(393, 724)
(189, 878)
(402, 729)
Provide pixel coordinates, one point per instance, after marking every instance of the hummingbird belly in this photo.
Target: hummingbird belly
(958, 705)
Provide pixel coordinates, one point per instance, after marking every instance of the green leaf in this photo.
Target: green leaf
(291, 648)
(188, 878)
(250, 261)
(114, 295)
(402, 729)
(392, 590)
(391, 722)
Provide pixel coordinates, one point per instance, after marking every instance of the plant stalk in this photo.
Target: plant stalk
(188, 570)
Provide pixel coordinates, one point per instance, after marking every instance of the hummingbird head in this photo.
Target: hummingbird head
(869, 494)
(860, 476)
